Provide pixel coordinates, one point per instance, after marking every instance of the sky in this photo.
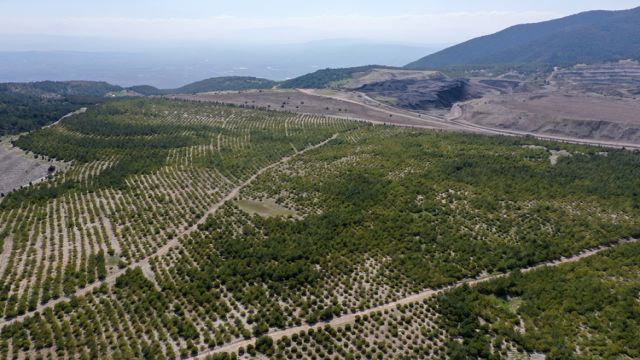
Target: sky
(282, 21)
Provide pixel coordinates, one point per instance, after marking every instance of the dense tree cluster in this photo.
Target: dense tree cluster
(28, 106)
(141, 172)
(22, 113)
(590, 305)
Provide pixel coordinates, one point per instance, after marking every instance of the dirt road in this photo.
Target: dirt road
(77, 112)
(399, 114)
(426, 294)
(459, 125)
(564, 139)
(311, 104)
(358, 106)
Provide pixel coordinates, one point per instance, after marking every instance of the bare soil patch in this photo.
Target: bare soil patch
(556, 155)
(381, 75)
(265, 208)
(18, 169)
(577, 116)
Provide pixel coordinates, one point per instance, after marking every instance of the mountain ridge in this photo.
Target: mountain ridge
(588, 37)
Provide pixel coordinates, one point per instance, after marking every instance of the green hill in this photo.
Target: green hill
(58, 89)
(590, 37)
(228, 83)
(28, 106)
(326, 77)
(147, 90)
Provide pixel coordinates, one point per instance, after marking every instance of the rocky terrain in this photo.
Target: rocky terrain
(420, 94)
(596, 102)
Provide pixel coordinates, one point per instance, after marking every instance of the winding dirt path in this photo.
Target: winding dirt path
(428, 121)
(564, 139)
(144, 263)
(426, 294)
(459, 125)
(77, 112)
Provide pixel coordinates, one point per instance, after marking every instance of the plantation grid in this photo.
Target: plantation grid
(137, 251)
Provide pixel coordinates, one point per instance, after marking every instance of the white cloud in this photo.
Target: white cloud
(426, 28)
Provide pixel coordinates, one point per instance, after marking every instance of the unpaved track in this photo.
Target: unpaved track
(426, 294)
(428, 121)
(77, 112)
(458, 125)
(565, 139)
(111, 278)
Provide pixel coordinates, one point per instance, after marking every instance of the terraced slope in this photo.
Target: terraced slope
(621, 79)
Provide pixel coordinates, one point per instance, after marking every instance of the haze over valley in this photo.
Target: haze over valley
(176, 65)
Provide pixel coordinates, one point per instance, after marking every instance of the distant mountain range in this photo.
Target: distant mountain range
(590, 37)
(58, 90)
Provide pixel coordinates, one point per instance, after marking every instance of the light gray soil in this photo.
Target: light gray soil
(581, 116)
(18, 169)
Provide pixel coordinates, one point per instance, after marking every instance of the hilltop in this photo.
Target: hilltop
(227, 83)
(326, 78)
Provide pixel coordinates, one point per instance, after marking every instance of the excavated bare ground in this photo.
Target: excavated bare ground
(573, 115)
(18, 169)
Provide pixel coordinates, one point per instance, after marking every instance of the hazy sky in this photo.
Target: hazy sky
(283, 21)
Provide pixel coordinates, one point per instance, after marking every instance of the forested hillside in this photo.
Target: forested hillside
(29, 106)
(590, 37)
